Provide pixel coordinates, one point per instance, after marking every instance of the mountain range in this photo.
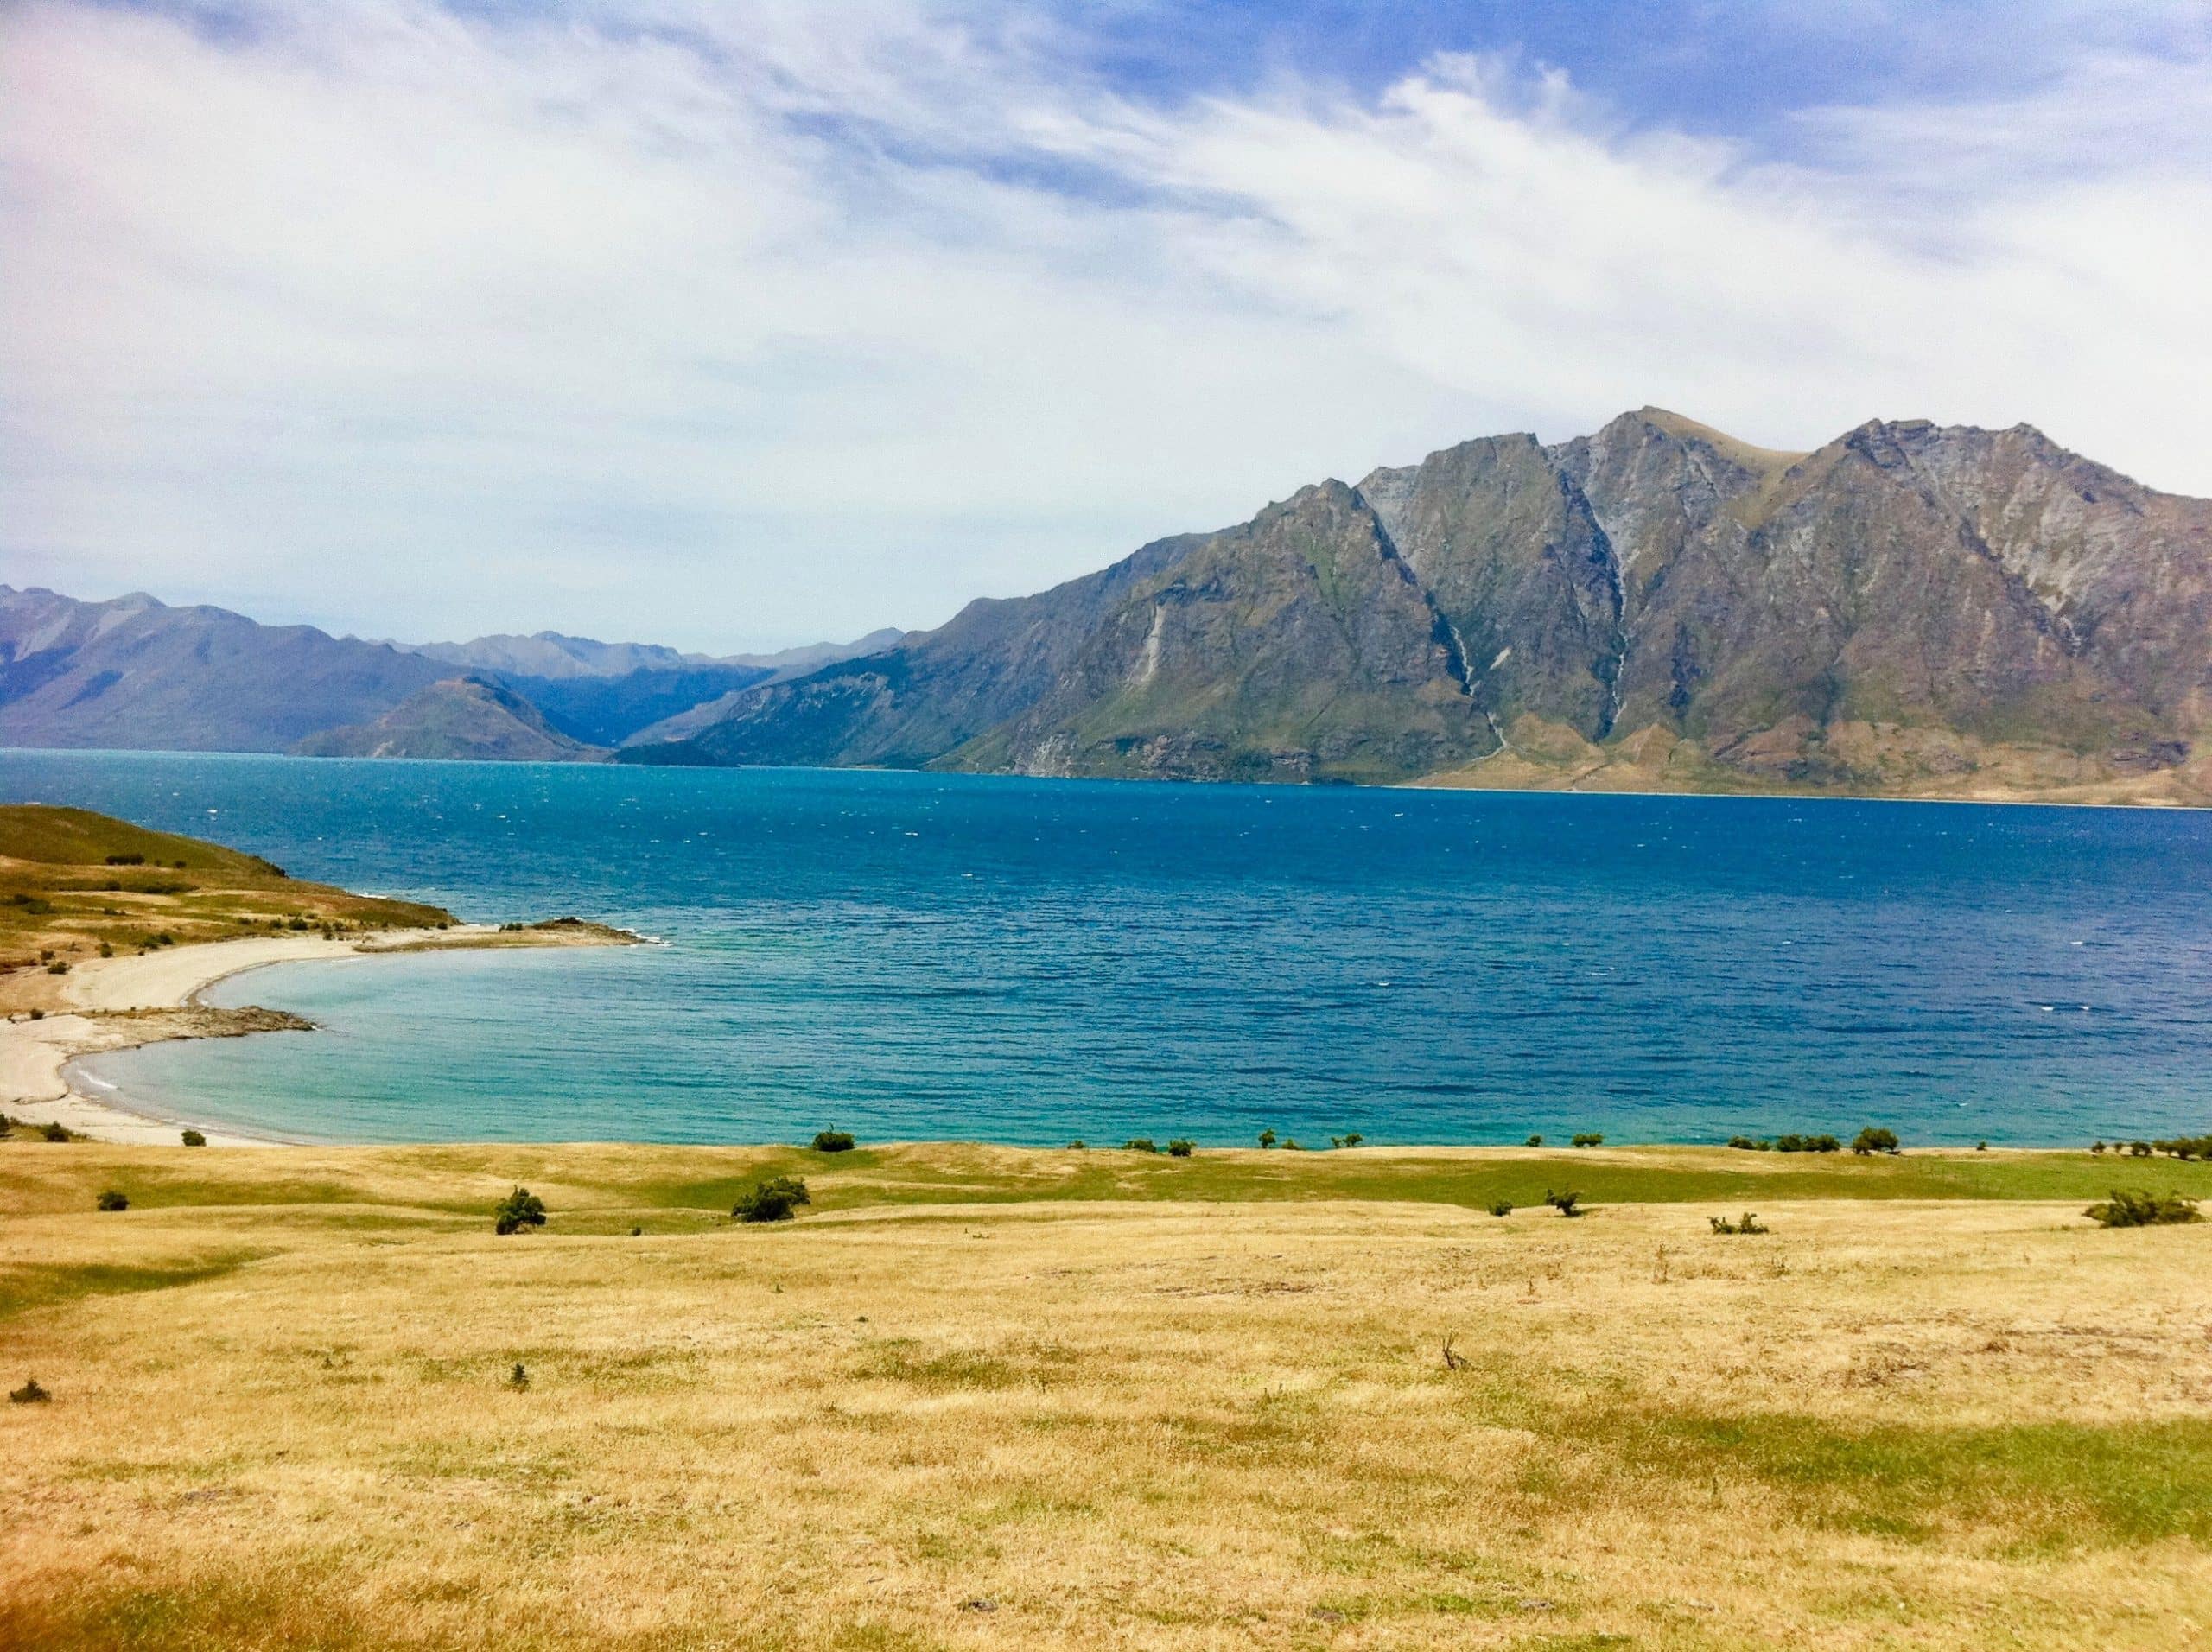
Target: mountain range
(1908, 609)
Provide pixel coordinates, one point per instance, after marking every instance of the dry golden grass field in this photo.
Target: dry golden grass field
(983, 1397)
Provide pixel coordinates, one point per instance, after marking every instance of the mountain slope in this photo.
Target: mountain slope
(1909, 608)
(135, 673)
(1296, 647)
(464, 717)
(909, 705)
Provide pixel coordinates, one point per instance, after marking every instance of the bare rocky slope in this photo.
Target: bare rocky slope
(1908, 609)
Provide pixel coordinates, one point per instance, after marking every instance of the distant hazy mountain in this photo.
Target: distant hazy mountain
(134, 673)
(463, 717)
(1909, 608)
(549, 656)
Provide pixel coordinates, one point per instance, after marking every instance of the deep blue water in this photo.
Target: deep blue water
(919, 955)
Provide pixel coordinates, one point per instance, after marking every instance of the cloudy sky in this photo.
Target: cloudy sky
(737, 325)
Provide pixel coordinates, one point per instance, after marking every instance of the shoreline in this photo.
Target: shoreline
(112, 1004)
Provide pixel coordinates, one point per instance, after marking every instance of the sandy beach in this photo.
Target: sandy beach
(118, 1003)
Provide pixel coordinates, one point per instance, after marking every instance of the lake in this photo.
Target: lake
(910, 956)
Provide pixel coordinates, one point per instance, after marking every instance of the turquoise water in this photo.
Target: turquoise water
(919, 955)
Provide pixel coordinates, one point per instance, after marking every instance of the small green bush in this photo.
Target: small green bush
(1807, 1144)
(771, 1199)
(1873, 1139)
(1078, 1146)
(1749, 1224)
(1501, 1207)
(1565, 1203)
(1750, 1144)
(519, 1377)
(1352, 1139)
(1535, 1141)
(112, 1199)
(57, 968)
(1589, 1139)
(2186, 1147)
(1268, 1138)
(833, 1141)
(1181, 1147)
(2138, 1209)
(1140, 1144)
(1294, 1144)
(2139, 1149)
(29, 1394)
(53, 1132)
(193, 1139)
(521, 1208)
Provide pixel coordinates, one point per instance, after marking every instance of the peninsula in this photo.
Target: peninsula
(109, 932)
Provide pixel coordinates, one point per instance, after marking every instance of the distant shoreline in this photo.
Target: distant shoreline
(157, 997)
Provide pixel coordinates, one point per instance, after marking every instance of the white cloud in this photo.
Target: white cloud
(727, 327)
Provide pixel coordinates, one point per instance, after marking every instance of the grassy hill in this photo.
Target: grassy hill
(73, 882)
(984, 1398)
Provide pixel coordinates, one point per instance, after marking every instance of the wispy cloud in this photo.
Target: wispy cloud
(734, 325)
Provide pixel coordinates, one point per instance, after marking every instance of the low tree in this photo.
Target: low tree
(833, 1141)
(1589, 1139)
(1535, 1141)
(193, 1139)
(1141, 1144)
(1873, 1139)
(2138, 1209)
(1565, 1203)
(773, 1199)
(521, 1208)
(113, 1198)
(1181, 1147)
(1268, 1138)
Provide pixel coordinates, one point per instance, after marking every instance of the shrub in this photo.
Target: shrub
(126, 859)
(1805, 1144)
(1501, 1207)
(193, 1139)
(1140, 1144)
(112, 1199)
(1749, 1224)
(1535, 1141)
(1294, 1144)
(1873, 1139)
(29, 1394)
(2138, 1209)
(53, 1132)
(1078, 1146)
(521, 1208)
(2139, 1149)
(833, 1141)
(1352, 1139)
(1748, 1145)
(38, 1015)
(1589, 1139)
(518, 1377)
(7, 1126)
(1565, 1203)
(1268, 1138)
(2097, 1146)
(2186, 1147)
(1181, 1147)
(57, 968)
(771, 1199)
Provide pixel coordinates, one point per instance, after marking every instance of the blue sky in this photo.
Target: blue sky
(738, 324)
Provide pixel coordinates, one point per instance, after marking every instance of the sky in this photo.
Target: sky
(737, 326)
